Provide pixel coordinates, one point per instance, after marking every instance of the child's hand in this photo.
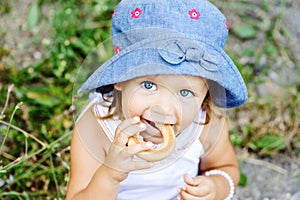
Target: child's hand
(200, 187)
(119, 156)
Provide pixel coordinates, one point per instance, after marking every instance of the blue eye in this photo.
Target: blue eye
(186, 93)
(149, 85)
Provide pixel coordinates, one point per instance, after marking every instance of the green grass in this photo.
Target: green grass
(35, 127)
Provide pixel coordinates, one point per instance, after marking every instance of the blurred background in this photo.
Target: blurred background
(43, 43)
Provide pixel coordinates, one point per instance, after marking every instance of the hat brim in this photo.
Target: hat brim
(144, 58)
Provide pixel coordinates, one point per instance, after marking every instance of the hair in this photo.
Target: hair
(114, 109)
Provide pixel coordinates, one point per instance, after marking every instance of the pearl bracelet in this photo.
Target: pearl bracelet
(227, 177)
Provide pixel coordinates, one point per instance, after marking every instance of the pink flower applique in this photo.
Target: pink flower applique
(194, 14)
(115, 10)
(226, 24)
(136, 13)
(117, 49)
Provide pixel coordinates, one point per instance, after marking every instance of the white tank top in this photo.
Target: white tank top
(163, 183)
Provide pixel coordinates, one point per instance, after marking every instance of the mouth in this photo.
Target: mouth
(152, 129)
(152, 132)
(163, 143)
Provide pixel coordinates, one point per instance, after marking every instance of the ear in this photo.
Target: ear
(117, 86)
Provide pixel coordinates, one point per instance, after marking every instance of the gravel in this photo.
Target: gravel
(270, 179)
(276, 178)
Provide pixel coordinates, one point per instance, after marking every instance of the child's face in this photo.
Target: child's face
(167, 99)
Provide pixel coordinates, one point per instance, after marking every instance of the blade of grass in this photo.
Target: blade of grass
(8, 127)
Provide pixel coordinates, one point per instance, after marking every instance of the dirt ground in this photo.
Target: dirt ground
(268, 179)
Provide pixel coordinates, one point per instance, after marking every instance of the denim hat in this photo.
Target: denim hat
(184, 37)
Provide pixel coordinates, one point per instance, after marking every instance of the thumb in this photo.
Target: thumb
(188, 179)
(196, 181)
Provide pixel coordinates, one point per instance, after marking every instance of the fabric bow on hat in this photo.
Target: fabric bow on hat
(176, 52)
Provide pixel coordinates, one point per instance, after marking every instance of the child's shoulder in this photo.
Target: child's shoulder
(91, 134)
(87, 118)
(213, 131)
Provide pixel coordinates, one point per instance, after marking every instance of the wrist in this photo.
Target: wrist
(115, 176)
(226, 177)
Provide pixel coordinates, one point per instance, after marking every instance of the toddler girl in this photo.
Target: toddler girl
(169, 69)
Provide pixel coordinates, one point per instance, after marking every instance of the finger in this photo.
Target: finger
(198, 186)
(127, 122)
(135, 148)
(130, 163)
(126, 129)
(188, 179)
(139, 165)
(186, 196)
(199, 191)
(121, 160)
(122, 135)
(154, 139)
(131, 126)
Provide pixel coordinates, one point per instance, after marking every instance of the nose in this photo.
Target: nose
(164, 110)
(158, 114)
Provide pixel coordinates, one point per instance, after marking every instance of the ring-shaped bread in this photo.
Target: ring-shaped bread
(163, 150)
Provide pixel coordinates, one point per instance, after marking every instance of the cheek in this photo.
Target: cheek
(189, 116)
(189, 113)
(132, 105)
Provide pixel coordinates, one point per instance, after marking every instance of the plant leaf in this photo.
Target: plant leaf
(245, 31)
(33, 15)
(43, 99)
(243, 179)
(271, 142)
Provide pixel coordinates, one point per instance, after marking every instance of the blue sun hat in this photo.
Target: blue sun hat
(184, 37)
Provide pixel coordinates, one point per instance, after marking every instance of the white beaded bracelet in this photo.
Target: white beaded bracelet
(227, 177)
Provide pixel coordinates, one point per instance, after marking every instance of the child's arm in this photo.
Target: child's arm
(220, 157)
(89, 178)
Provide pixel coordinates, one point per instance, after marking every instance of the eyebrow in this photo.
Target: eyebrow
(203, 84)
